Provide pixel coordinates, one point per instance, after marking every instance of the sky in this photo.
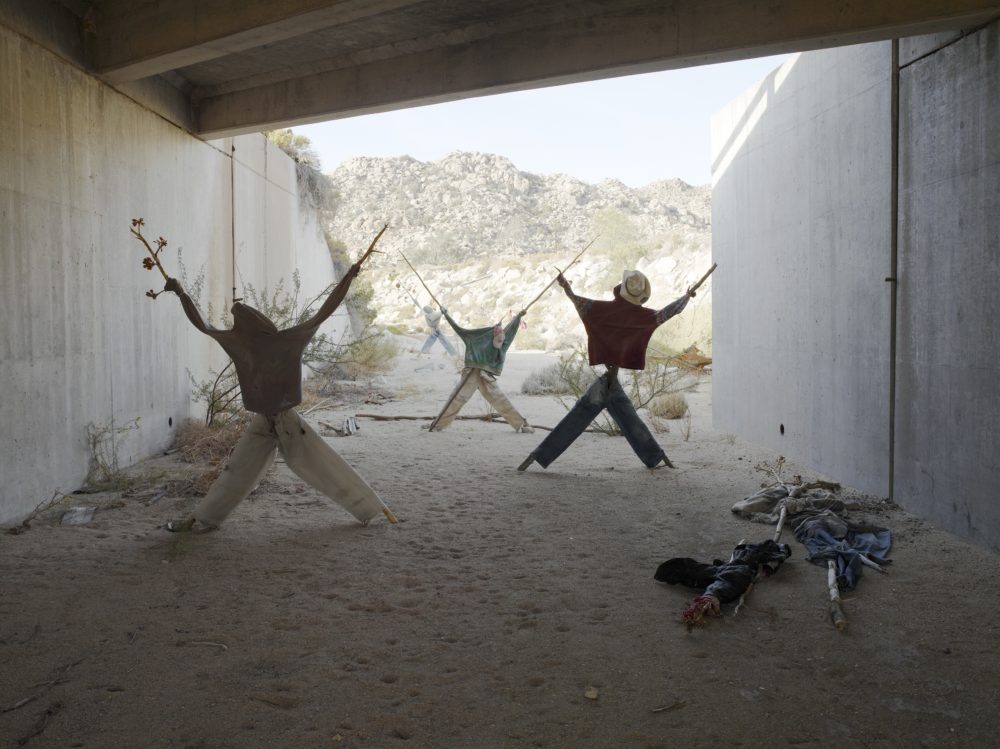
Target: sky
(636, 129)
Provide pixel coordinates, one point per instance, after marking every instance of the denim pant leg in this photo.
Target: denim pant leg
(430, 341)
(444, 342)
(584, 411)
(623, 412)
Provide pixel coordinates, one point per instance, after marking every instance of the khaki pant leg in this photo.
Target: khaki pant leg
(246, 466)
(309, 456)
(499, 400)
(459, 397)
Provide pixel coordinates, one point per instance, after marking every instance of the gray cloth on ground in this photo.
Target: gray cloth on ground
(827, 535)
(820, 523)
(765, 505)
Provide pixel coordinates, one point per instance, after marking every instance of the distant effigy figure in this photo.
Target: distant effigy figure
(485, 352)
(268, 366)
(433, 319)
(618, 333)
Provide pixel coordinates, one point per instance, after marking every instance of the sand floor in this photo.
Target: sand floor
(491, 615)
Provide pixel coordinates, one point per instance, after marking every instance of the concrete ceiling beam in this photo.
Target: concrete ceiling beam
(667, 36)
(137, 40)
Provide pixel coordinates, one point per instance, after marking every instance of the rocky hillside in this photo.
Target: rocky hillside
(486, 236)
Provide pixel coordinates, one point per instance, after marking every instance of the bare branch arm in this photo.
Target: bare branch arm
(190, 308)
(332, 301)
(340, 290)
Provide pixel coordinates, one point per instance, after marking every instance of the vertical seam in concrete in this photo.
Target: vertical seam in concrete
(893, 256)
(232, 213)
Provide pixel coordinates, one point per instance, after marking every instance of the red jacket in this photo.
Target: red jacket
(618, 331)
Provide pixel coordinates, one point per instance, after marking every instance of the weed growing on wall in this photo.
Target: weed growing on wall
(103, 441)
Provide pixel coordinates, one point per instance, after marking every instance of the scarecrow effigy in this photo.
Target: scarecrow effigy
(618, 332)
(268, 366)
(433, 319)
(485, 353)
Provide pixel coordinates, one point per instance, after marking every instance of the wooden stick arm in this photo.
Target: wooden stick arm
(434, 298)
(371, 247)
(704, 278)
(837, 615)
(572, 263)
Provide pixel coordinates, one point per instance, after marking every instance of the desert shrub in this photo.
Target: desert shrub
(669, 406)
(642, 386)
(208, 446)
(546, 381)
(198, 443)
(369, 355)
(316, 186)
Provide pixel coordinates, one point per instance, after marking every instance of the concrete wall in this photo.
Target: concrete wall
(800, 231)
(80, 344)
(948, 430)
(801, 215)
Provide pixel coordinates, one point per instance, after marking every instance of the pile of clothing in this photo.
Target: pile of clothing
(821, 523)
(722, 582)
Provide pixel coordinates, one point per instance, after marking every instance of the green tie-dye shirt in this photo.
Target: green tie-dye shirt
(480, 353)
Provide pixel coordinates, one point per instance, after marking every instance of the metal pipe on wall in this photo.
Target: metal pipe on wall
(892, 280)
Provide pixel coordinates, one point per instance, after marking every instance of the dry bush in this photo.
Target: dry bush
(209, 446)
(573, 375)
(669, 406)
(370, 355)
(201, 444)
(546, 381)
(312, 395)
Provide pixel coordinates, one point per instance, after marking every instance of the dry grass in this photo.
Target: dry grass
(369, 356)
(312, 395)
(669, 406)
(201, 444)
(209, 446)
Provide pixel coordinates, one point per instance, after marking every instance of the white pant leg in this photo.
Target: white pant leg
(246, 466)
(499, 400)
(309, 456)
(459, 397)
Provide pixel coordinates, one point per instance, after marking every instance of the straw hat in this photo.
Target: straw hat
(635, 287)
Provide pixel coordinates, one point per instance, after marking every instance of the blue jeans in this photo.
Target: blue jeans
(605, 392)
(437, 335)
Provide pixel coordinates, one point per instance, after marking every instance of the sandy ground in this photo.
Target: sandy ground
(488, 614)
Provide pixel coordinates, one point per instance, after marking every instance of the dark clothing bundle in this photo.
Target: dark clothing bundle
(726, 581)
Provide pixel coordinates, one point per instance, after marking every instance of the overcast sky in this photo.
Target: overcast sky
(637, 129)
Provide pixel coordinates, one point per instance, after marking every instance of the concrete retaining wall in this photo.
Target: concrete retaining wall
(80, 345)
(948, 430)
(800, 231)
(801, 223)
